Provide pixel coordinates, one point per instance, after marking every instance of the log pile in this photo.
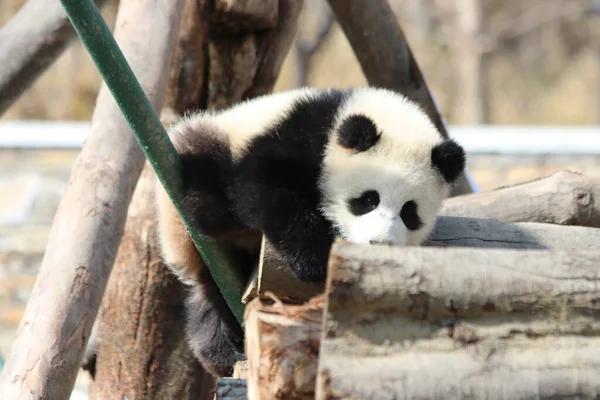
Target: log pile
(500, 302)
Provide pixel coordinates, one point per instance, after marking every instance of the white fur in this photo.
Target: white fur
(398, 168)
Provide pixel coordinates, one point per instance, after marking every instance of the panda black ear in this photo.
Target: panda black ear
(448, 158)
(358, 132)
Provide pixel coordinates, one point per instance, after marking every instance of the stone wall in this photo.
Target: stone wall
(32, 182)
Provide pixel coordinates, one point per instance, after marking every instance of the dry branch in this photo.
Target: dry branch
(29, 43)
(273, 275)
(282, 345)
(564, 198)
(385, 57)
(89, 222)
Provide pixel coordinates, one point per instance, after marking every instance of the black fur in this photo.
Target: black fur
(410, 216)
(358, 132)
(448, 158)
(365, 203)
(278, 177)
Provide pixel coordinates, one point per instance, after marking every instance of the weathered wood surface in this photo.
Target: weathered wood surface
(231, 389)
(451, 323)
(274, 276)
(246, 15)
(29, 43)
(141, 321)
(282, 345)
(386, 59)
(90, 219)
(564, 198)
(489, 233)
(243, 65)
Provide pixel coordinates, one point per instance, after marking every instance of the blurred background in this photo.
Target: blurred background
(517, 81)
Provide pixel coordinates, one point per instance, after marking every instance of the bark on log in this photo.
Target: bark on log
(274, 276)
(89, 222)
(386, 59)
(282, 345)
(564, 198)
(243, 66)
(29, 43)
(453, 323)
(231, 389)
(141, 321)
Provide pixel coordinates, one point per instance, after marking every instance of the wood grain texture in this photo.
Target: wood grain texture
(141, 322)
(90, 219)
(451, 323)
(564, 198)
(282, 343)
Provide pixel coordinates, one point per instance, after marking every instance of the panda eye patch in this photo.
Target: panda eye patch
(365, 203)
(410, 217)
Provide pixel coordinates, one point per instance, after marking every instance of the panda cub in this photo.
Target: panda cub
(303, 167)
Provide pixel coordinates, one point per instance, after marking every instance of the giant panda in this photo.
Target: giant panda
(303, 167)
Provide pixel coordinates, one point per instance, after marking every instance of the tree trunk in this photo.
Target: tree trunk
(143, 353)
(90, 219)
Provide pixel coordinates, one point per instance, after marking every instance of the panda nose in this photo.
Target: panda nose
(379, 241)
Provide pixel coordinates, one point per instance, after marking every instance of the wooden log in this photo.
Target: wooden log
(386, 59)
(231, 389)
(29, 43)
(489, 233)
(452, 323)
(273, 275)
(282, 345)
(564, 198)
(89, 222)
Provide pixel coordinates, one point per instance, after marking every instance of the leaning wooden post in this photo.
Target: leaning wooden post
(31, 47)
(89, 222)
(386, 59)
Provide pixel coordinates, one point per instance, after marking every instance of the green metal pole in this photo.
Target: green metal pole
(151, 136)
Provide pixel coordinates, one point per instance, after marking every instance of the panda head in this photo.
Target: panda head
(386, 170)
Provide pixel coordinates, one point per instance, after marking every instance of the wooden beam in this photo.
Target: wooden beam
(427, 322)
(29, 43)
(564, 198)
(386, 59)
(89, 222)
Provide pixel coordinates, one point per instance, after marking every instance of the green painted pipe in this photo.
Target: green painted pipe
(151, 136)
